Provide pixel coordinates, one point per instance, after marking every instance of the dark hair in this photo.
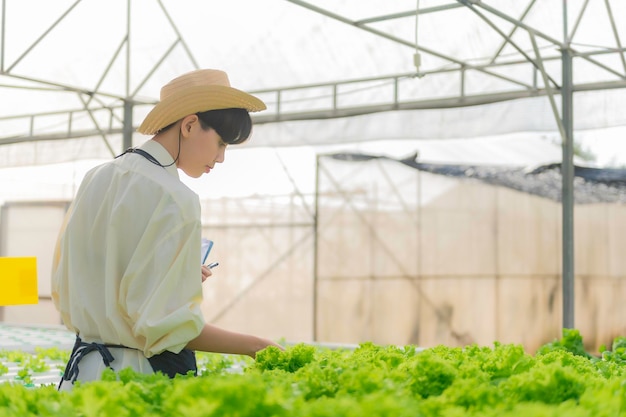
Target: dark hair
(233, 125)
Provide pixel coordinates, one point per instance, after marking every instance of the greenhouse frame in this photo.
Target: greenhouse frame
(388, 79)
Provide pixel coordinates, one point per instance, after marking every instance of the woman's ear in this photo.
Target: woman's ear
(187, 124)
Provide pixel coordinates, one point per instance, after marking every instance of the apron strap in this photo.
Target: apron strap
(169, 363)
(79, 351)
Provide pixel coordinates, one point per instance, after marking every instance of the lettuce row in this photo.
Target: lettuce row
(560, 379)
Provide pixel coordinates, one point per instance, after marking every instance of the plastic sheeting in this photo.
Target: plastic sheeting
(74, 56)
(249, 170)
(597, 111)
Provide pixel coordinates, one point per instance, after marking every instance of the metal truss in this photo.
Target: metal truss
(118, 116)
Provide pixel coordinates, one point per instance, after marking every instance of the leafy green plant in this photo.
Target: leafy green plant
(289, 360)
(561, 379)
(52, 353)
(571, 342)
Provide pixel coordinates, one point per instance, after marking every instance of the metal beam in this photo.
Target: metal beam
(127, 135)
(40, 38)
(546, 83)
(435, 103)
(512, 32)
(3, 24)
(567, 167)
(496, 12)
(412, 45)
(409, 13)
(180, 37)
(62, 87)
(97, 126)
(75, 134)
(615, 32)
(510, 41)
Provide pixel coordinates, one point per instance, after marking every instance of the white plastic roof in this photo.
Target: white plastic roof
(67, 69)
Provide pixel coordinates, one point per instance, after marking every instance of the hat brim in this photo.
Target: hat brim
(194, 100)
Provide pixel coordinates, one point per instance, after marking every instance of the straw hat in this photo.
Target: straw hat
(194, 92)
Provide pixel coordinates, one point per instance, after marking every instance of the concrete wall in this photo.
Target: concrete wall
(477, 264)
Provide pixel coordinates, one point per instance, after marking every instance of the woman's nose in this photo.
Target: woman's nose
(221, 155)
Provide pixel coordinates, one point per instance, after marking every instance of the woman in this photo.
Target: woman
(127, 272)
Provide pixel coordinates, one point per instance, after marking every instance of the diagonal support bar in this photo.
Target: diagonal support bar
(546, 82)
(39, 39)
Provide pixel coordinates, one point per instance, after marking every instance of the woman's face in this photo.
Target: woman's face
(200, 149)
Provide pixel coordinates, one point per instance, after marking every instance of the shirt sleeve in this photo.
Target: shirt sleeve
(59, 290)
(161, 290)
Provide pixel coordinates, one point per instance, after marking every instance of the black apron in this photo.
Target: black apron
(169, 363)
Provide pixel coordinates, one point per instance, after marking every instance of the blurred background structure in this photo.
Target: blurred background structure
(426, 172)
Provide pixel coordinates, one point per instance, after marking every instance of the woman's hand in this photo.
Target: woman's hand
(263, 343)
(206, 272)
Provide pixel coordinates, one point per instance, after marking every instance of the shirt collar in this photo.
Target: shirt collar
(161, 154)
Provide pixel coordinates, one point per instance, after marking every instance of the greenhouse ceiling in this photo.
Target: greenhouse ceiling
(92, 69)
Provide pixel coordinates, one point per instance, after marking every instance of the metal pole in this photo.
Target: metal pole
(127, 132)
(127, 50)
(315, 242)
(2, 31)
(567, 167)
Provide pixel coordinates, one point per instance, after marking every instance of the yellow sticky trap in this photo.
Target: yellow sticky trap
(18, 281)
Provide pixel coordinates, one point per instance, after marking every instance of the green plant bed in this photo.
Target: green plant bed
(561, 379)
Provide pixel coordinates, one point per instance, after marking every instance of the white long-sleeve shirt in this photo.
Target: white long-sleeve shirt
(126, 268)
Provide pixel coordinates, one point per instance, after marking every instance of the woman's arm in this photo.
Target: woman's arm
(217, 340)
